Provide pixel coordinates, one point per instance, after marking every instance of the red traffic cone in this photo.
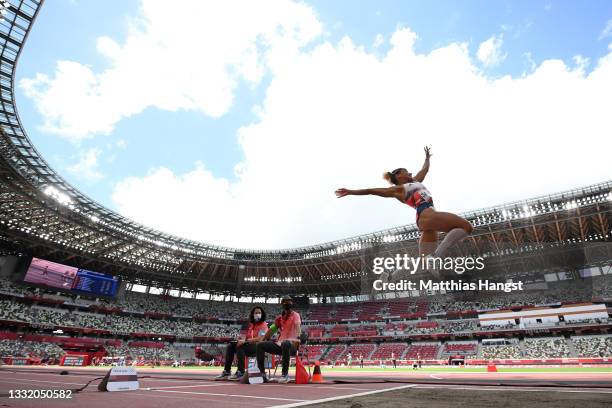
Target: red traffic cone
(317, 377)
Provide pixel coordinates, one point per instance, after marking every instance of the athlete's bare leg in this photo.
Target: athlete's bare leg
(427, 246)
(428, 242)
(431, 219)
(456, 228)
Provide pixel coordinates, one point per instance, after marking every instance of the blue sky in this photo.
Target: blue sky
(196, 137)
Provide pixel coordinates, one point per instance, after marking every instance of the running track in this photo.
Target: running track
(191, 389)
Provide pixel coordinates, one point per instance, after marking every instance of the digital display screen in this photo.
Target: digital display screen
(66, 277)
(96, 282)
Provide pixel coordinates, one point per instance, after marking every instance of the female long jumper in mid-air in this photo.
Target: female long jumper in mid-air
(410, 190)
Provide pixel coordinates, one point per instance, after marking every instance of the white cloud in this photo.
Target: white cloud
(171, 60)
(489, 52)
(338, 116)
(607, 31)
(87, 166)
(121, 144)
(208, 195)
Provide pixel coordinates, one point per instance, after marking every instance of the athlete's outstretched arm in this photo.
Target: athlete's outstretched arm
(393, 192)
(423, 172)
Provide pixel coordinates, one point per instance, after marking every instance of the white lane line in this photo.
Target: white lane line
(50, 374)
(301, 404)
(229, 395)
(520, 389)
(435, 377)
(20, 381)
(174, 379)
(183, 386)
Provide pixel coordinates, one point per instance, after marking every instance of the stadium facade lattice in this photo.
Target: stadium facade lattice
(44, 216)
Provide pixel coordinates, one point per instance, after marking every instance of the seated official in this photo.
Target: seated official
(246, 346)
(289, 323)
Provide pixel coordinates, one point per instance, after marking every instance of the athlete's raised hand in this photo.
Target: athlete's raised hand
(423, 172)
(341, 192)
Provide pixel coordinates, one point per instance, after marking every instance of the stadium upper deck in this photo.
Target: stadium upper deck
(42, 215)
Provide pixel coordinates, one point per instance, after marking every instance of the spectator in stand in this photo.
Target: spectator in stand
(246, 346)
(32, 349)
(555, 347)
(593, 346)
(290, 325)
(511, 350)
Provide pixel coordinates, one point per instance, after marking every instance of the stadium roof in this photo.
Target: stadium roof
(43, 215)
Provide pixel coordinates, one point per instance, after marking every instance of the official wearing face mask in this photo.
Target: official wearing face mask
(246, 346)
(290, 325)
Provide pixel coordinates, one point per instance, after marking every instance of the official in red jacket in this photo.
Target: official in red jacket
(245, 347)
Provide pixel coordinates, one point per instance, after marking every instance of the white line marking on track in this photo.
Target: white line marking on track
(435, 377)
(230, 395)
(49, 374)
(301, 404)
(20, 380)
(184, 386)
(171, 379)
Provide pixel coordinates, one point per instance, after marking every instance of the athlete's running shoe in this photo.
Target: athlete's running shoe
(284, 379)
(223, 376)
(237, 376)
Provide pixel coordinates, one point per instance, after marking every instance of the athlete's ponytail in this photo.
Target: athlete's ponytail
(389, 177)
